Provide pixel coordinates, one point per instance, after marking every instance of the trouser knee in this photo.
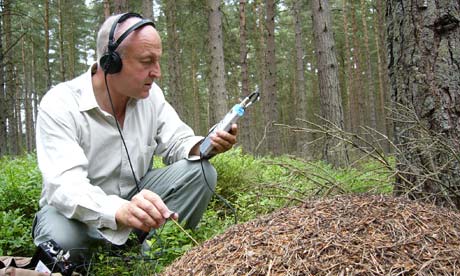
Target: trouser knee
(207, 172)
(71, 235)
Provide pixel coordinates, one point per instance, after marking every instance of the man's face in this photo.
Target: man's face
(140, 55)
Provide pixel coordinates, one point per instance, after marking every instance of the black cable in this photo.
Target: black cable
(221, 198)
(141, 235)
(121, 135)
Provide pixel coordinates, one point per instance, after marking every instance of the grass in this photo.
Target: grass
(253, 186)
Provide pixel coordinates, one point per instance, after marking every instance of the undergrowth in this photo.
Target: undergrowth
(253, 186)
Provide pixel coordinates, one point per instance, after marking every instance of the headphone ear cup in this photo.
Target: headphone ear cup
(111, 62)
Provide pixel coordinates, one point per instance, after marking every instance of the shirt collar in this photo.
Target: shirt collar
(87, 99)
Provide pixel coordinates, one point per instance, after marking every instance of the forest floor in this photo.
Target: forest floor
(344, 235)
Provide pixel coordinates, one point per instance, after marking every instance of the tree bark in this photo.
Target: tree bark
(196, 94)
(379, 36)
(176, 94)
(259, 145)
(301, 92)
(17, 115)
(61, 41)
(10, 92)
(106, 9)
(217, 92)
(269, 98)
(331, 103)
(29, 137)
(245, 131)
(3, 103)
(348, 112)
(72, 43)
(147, 8)
(35, 94)
(47, 47)
(120, 6)
(359, 96)
(370, 84)
(424, 65)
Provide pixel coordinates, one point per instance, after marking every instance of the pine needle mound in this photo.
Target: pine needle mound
(346, 235)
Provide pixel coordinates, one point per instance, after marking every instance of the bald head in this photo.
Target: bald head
(127, 24)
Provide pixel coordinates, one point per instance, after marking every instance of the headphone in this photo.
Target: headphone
(111, 61)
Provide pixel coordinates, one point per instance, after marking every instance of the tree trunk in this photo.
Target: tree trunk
(259, 145)
(424, 65)
(176, 94)
(348, 108)
(9, 82)
(196, 94)
(106, 9)
(71, 73)
(18, 140)
(47, 47)
(217, 92)
(29, 137)
(120, 6)
(331, 104)
(269, 98)
(371, 107)
(359, 97)
(245, 131)
(34, 89)
(61, 42)
(147, 9)
(3, 103)
(301, 91)
(379, 27)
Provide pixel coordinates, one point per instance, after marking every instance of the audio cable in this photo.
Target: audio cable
(220, 197)
(121, 134)
(141, 235)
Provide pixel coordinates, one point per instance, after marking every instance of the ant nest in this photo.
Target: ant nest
(344, 235)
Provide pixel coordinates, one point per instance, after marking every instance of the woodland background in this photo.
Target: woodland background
(339, 79)
(264, 45)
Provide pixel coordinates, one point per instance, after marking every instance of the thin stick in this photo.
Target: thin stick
(186, 233)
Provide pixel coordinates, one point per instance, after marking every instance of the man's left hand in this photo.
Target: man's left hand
(222, 141)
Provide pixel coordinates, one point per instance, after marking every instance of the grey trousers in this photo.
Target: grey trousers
(180, 185)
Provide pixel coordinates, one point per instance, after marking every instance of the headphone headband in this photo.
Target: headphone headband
(114, 44)
(111, 61)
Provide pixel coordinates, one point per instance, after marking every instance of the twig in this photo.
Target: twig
(186, 233)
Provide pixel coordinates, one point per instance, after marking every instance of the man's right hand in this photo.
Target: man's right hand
(145, 211)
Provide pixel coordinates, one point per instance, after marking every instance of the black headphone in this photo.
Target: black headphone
(111, 60)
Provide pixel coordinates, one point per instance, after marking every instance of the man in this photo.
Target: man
(96, 136)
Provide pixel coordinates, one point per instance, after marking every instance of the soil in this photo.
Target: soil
(345, 235)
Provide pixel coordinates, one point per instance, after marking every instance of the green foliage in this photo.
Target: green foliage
(169, 243)
(234, 170)
(15, 238)
(260, 186)
(20, 186)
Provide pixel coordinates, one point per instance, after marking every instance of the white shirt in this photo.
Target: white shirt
(84, 165)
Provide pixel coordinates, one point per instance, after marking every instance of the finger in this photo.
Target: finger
(138, 218)
(227, 136)
(234, 130)
(158, 203)
(148, 213)
(222, 142)
(226, 139)
(174, 216)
